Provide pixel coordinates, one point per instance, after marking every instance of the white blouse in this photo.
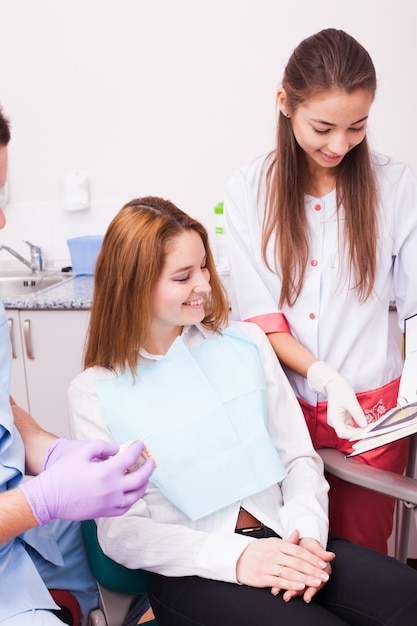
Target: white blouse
(327, 317)
(157, 536)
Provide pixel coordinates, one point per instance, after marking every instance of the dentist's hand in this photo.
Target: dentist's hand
(342, 404)
(85, 479)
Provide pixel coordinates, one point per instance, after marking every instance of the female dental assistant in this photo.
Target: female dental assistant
(321, 234)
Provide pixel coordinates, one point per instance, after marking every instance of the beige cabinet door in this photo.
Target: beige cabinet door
(18, 387)
(53, 345)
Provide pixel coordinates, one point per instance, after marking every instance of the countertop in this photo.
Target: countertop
(75, 292)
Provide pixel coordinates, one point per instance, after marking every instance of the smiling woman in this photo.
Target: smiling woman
(233, 526)
(180, 293)
(326, 128)
(321, 233)
(165, 272)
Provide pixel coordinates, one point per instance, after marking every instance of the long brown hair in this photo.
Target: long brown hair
(328, 60)
(129, 264)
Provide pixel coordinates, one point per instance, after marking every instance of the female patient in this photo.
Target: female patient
(233, 524)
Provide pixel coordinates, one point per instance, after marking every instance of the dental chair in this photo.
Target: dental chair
(401, 487)
(70, 610)
(117, 584)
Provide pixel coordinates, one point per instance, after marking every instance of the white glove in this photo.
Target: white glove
(342, 403)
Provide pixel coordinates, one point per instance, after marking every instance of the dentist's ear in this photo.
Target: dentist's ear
(3, 200)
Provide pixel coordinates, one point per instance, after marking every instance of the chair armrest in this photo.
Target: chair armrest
(395, 485)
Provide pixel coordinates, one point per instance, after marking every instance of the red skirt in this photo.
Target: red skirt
(360, 515)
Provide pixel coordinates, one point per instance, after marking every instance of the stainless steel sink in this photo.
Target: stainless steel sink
(21, 284)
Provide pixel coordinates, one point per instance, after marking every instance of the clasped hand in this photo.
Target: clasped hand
(300, 567)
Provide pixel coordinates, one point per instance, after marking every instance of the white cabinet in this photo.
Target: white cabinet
(19, 391)
(48, 348)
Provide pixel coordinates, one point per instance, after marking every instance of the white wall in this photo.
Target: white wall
(167, 97)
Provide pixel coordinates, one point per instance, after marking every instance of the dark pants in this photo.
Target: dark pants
(366, 588)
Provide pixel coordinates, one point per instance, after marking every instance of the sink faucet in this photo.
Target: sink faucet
(36, 261)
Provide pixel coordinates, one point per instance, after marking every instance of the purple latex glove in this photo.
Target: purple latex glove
(85, 479)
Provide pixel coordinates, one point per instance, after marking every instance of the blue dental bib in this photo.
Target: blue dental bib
(202, 413)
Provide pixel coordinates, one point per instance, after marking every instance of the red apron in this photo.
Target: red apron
(360, 515)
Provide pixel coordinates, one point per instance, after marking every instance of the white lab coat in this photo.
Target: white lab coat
(327, 317)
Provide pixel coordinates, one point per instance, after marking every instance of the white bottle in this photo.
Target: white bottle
(220, 242)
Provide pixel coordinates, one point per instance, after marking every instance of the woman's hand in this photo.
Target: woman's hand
(315, 548)
(285, 564)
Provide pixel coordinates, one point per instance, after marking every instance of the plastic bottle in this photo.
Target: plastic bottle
(220, 241)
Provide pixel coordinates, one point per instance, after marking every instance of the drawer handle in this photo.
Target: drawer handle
(11, 332)
(28, 339)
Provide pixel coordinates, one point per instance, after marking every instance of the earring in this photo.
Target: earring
(285, 114)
